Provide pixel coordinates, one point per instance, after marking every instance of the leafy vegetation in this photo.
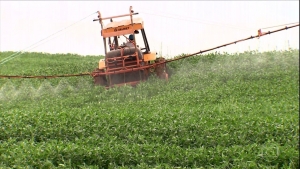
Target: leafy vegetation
(216, 111)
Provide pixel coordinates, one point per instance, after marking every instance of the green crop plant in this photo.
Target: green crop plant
(216, 111)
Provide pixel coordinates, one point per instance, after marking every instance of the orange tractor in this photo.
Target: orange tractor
(126, 63)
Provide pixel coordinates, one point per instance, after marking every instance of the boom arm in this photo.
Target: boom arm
(251, 37)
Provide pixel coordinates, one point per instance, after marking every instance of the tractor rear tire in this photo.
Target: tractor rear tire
(162, 69)
(100, 79)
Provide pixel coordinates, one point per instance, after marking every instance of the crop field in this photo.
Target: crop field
(217, 110)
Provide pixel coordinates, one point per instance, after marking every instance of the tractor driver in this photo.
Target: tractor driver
(130, 43)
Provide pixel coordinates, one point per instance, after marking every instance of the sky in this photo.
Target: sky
(172, 27)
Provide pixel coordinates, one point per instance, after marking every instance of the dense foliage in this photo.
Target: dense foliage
(216, 111)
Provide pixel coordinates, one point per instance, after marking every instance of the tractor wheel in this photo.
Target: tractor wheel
(162, 69)
(164, 76)
(100, 79)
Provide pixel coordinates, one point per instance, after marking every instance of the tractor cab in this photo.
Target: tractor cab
(119, 33)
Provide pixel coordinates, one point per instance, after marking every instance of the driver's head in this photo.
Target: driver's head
(131, 37)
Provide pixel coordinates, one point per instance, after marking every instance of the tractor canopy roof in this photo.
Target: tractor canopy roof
(122, 27)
